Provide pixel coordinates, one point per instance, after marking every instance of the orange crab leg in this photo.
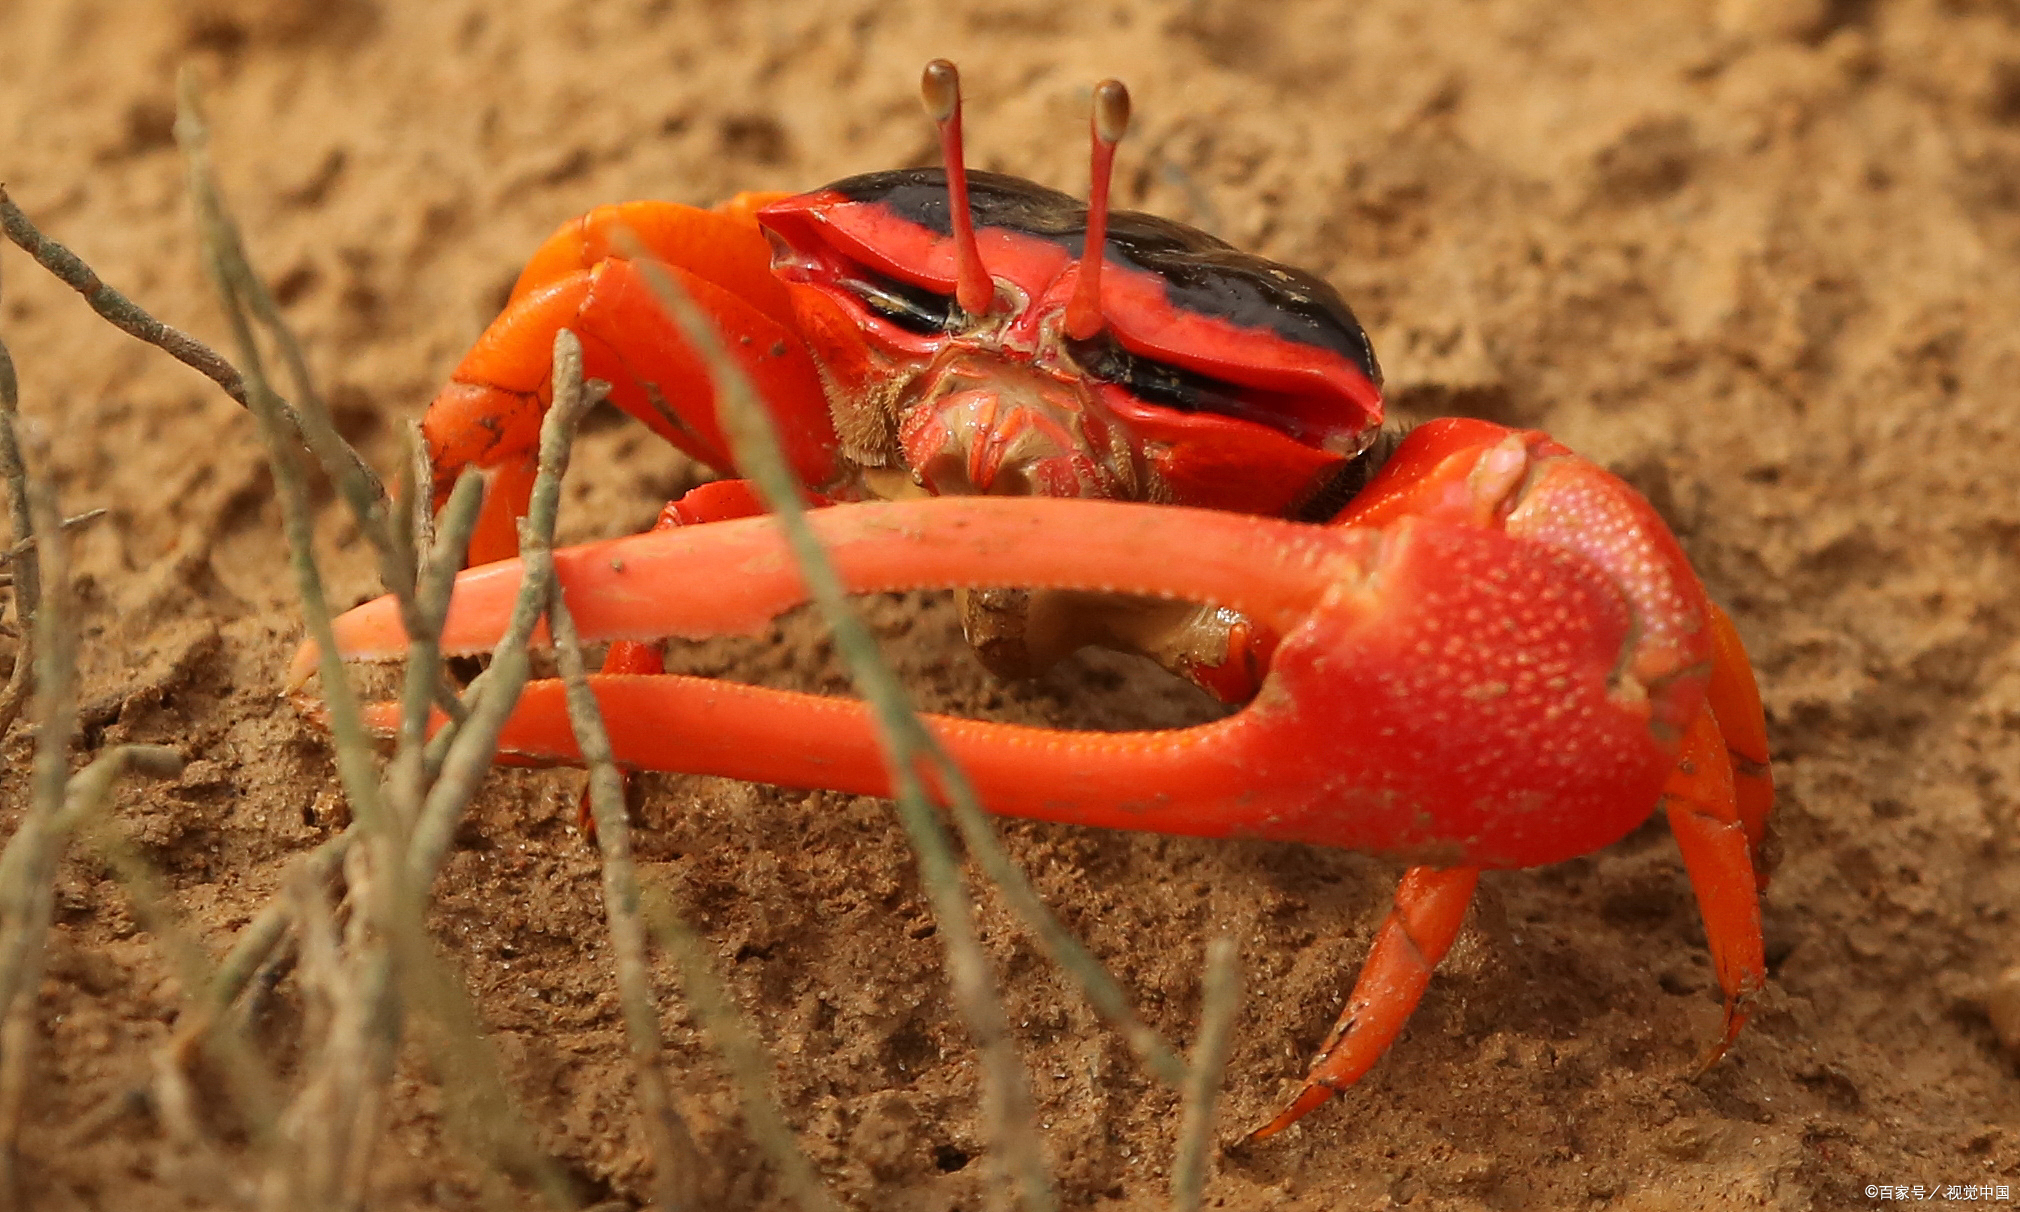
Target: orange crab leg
(1706, 817)
(489, 414)
(722, 245)
(1430, 907)
(1734, 700)
(1704, 814)
(719, 501)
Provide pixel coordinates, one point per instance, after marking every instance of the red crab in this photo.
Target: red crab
(1494, 654)
(897, 366)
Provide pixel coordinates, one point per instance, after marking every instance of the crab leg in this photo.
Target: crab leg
(1430, 907)
(1734, 700)
(489, 414)
(1704, 814)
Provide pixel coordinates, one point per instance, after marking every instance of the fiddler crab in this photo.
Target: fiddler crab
(1468, 649)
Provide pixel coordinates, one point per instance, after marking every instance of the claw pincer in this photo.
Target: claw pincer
(1489, 660)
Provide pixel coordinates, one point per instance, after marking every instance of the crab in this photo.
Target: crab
(896, 365)
(1469, 649)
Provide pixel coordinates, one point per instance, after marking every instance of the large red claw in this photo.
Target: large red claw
(1479, 681)
(1489, 660)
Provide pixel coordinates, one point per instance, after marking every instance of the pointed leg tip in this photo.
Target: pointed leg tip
(302, 668)
(1736, 1014)
(585, 816)
(1312, 1096)
(1256, 1136)
(1710, 1059)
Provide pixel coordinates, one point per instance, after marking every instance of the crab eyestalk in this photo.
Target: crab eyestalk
(940, 88)
(1109, 122)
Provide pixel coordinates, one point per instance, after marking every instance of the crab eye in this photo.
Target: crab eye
(913, 308)
(1154, 382)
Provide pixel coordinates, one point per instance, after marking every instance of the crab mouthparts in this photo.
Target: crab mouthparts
(1008, 430)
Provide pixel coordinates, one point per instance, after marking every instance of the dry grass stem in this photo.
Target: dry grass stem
(467, 757)
(258, 940)
(407, 780)
(27, 893)
(741, 1051)
(676, 1162)
(129, 317)
(252, 1088)
(1218, 1003)
(27, 570)
(26, 545)
(337, 1074)
(228, 269)
(388, 954)
(57, 803)
(418, 490)
(755, 446)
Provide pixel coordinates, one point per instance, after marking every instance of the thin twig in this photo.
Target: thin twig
(129, 317)
(354, 762)
(393, 959)
(24, 546)
(87, 796)
(357, 1058)
(465, 760)
(90, 789)
(468, 757)
(27, 571)
(407, 779)
(256, 942)
(742, 1054)
(28, 867)
(420, 481)
(17, 1043)
(253, 1089)
(30, 861)
(359, 485)
(675, 1158)
(479, 1102)
(755, 445)
(1218, 1003)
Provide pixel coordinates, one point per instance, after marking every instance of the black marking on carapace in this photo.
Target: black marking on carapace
(1202, 273)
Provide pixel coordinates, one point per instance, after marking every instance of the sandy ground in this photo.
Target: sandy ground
(1758, 255)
